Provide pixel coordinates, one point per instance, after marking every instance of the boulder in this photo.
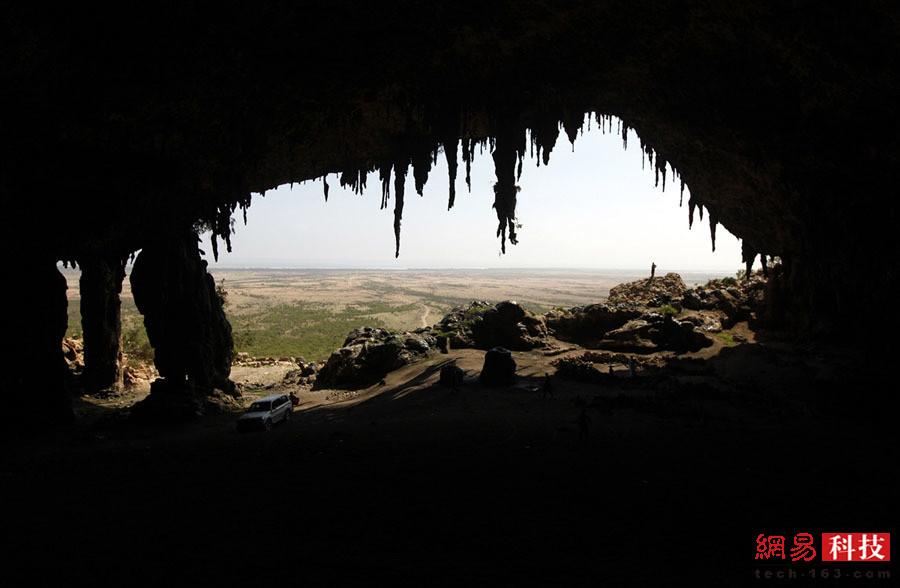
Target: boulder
(499, 368)
(452, 376)
(369, 354)
(509, 325)
(483, 326)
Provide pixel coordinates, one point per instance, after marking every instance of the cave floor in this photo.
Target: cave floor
(409, 481)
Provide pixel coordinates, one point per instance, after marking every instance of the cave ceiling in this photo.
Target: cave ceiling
(779, 116)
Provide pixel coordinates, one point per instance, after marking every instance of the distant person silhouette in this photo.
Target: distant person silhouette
(652, 270)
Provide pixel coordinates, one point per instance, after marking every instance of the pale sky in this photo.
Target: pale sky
(591, 208)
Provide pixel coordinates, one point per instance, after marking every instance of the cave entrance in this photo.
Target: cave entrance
(304, 270)
(318, 259)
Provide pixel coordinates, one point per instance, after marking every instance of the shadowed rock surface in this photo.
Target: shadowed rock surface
(499, 368)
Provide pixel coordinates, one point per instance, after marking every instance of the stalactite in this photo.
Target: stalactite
(361, 182)
(355, 179)
(421, 163)
(400, 169)
(521, 147)
(691, 205)
(544, 134)
(468, 152)
(748, 255)
(713, 222)
(681, 196)
(505, 189)
(572, 123)
(384, 174)
(450, 149)
(325, 186)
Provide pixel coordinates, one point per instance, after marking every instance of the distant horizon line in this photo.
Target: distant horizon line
(631, 270)
(661, 271)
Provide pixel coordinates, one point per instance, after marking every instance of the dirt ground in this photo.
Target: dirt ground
(639, 481)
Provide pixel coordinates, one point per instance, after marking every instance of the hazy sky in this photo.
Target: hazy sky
(591, 208)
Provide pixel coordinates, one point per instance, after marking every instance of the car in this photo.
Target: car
(265, 412)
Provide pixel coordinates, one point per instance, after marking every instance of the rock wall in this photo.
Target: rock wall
(32, 365)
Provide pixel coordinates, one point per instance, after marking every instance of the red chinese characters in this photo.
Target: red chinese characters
(804, 548)
(856, 547)
(774, 547)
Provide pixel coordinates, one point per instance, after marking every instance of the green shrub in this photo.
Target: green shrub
(669, 309)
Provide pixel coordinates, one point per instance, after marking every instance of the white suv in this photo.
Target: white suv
(265, 412)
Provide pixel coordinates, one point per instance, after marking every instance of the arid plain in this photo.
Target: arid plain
(308, 312)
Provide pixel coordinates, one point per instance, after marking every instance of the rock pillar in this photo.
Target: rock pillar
(101, 321)
(183, 314)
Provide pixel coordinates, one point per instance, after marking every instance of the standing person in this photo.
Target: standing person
(652, 270)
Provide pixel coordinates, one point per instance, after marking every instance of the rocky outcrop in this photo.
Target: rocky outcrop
(304, 375)
(651, 292)
(655, 332)
(629, 321)
(457, 324)
(73, 353)
(587, 324)
(483, 326)
(738, 299)
(368, 354)
(509, 325)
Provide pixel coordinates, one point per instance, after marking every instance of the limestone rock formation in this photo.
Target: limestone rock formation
(73, 352)
(183, 315)
(457, 325)
(101, 323)
(737, 299)
(483, 326)
(370, 353)
(668, 289)
(655, 332)
(629, 321)
(510, 325)
(588, 324)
